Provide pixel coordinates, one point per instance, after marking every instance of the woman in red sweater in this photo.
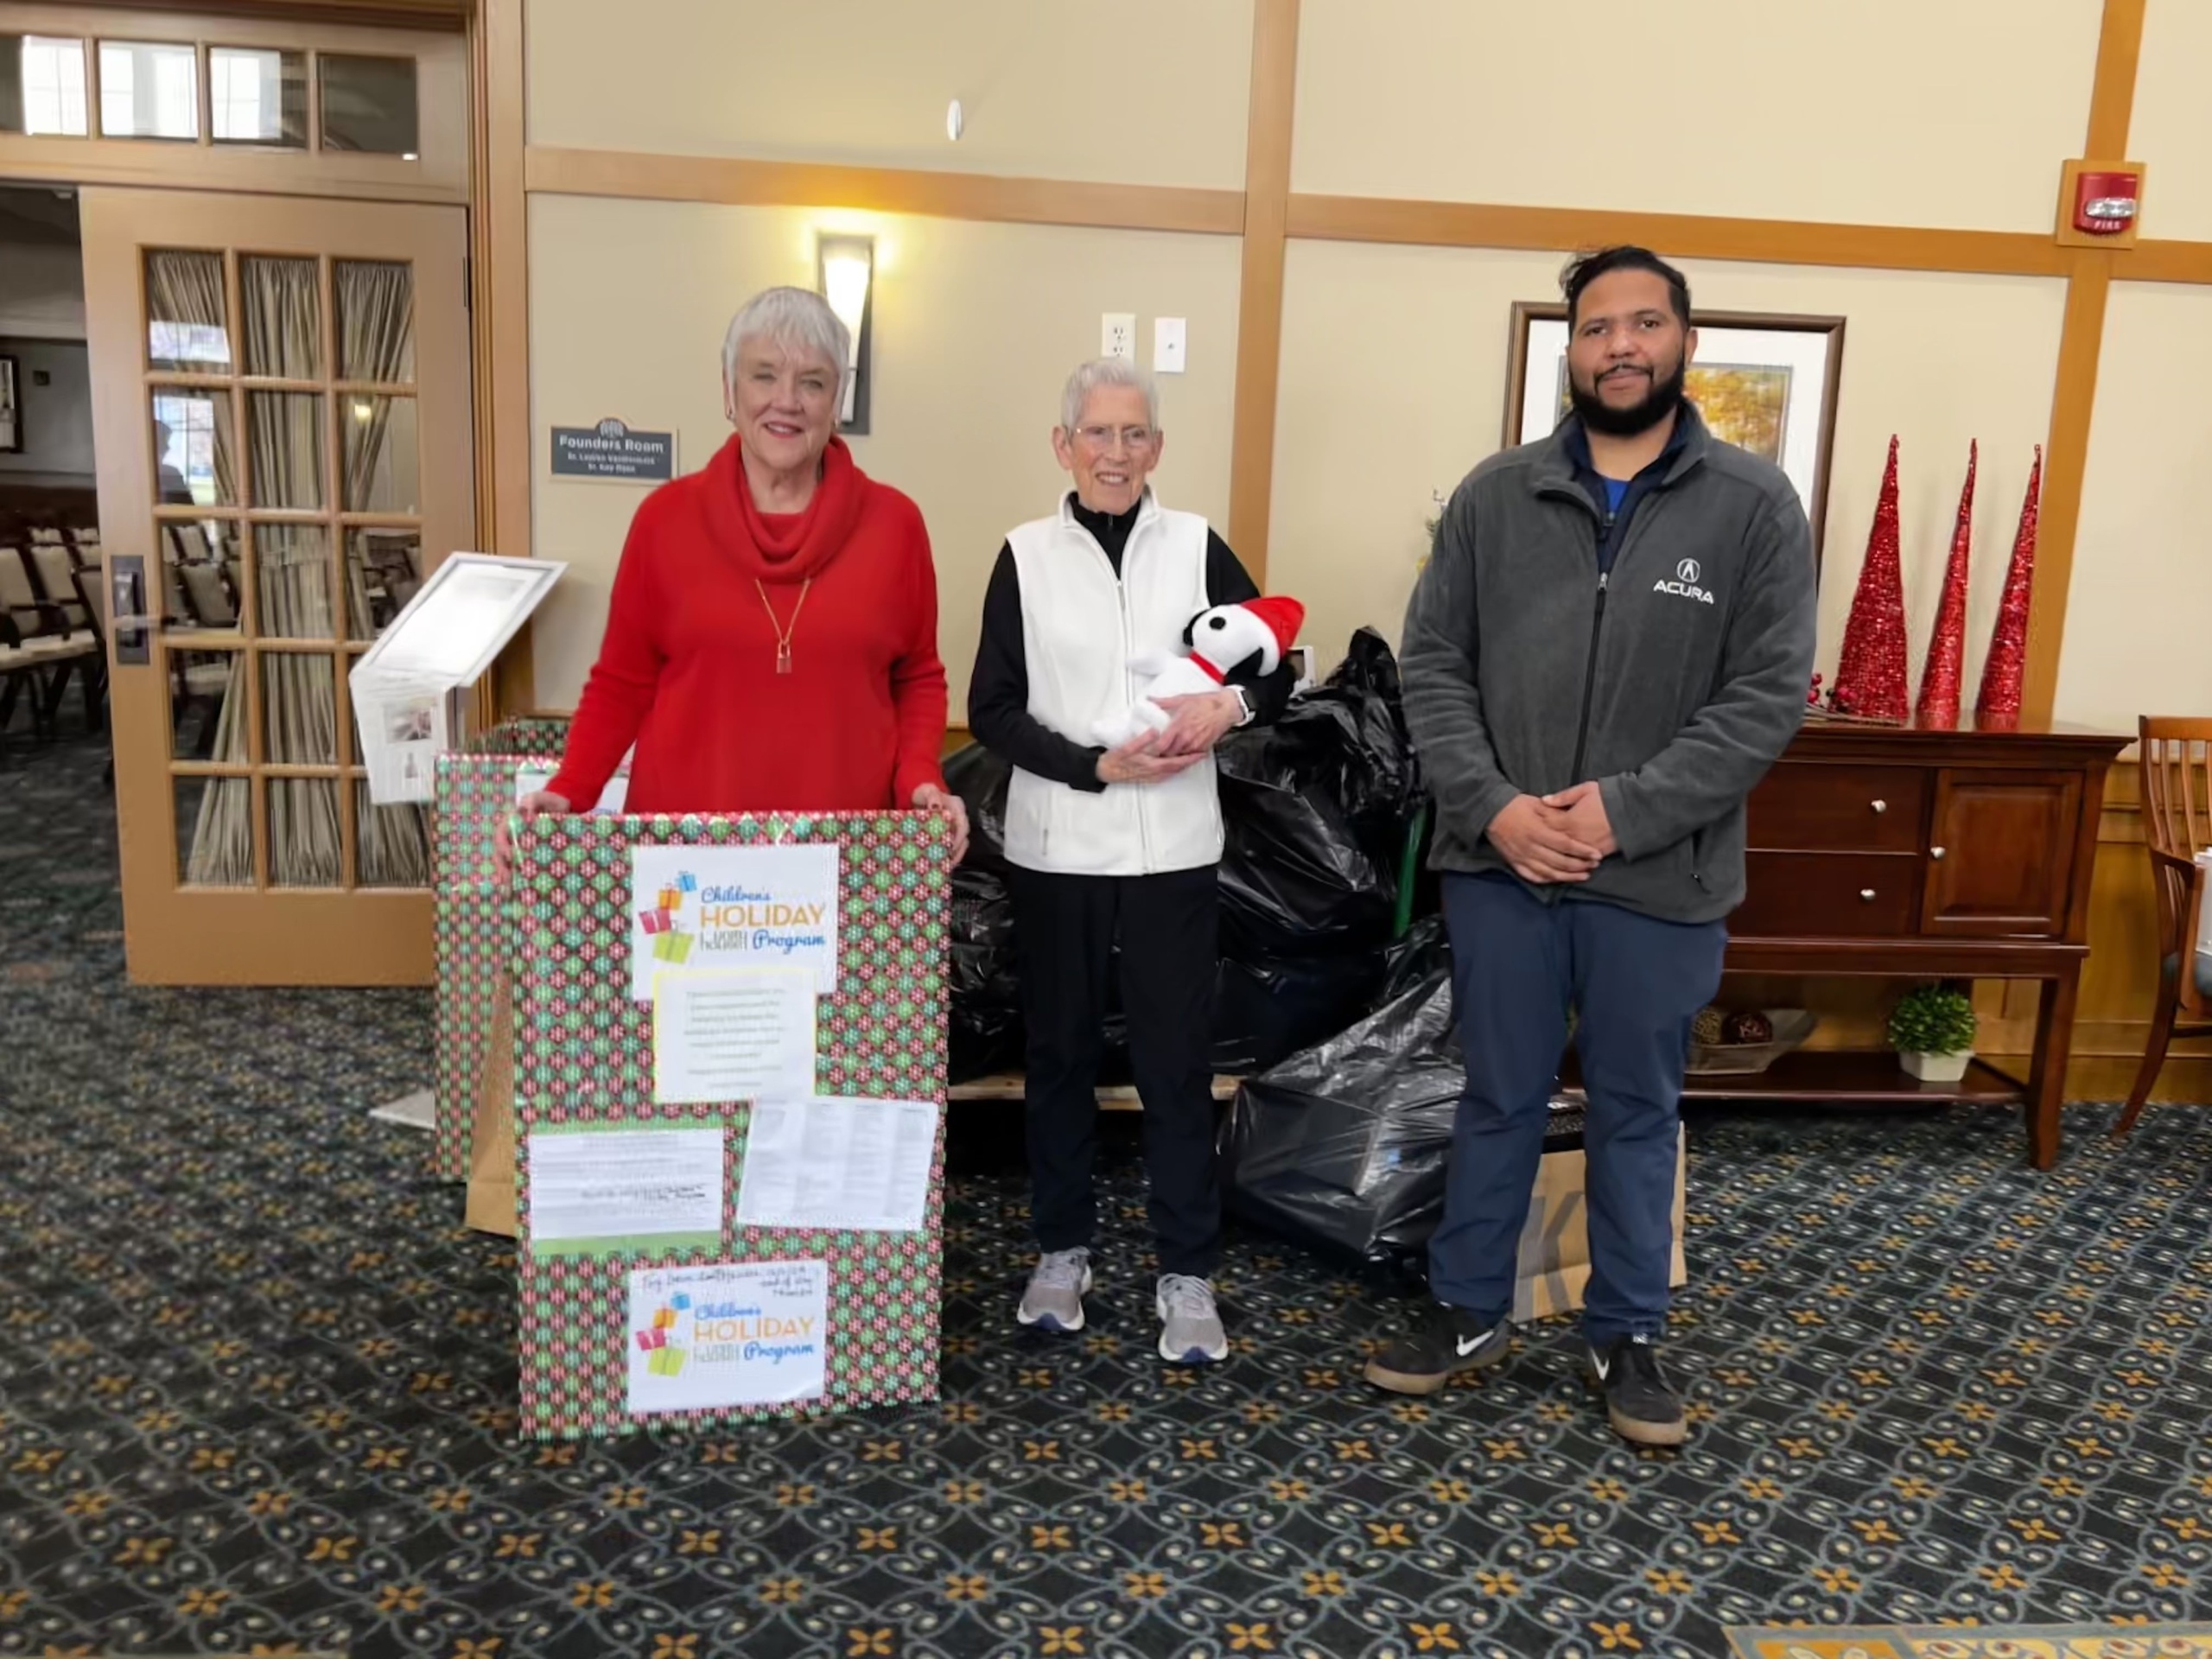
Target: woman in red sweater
(772, 643)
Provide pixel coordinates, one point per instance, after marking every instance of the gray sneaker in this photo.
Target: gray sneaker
(1053, 1300)
(1191, 1332)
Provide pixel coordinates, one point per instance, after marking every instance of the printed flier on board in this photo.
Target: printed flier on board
(727, 1334)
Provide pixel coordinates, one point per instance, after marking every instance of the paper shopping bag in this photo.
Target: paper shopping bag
(1553, 1267)
(491, 1140)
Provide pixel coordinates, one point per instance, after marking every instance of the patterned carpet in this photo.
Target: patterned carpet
(1949, 1642)
(257, 1392)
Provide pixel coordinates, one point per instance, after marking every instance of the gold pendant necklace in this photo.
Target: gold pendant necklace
(783, 633)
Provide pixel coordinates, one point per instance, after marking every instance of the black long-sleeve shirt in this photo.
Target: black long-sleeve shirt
(998, 691)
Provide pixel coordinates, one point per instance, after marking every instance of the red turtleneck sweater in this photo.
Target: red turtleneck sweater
(688, 665)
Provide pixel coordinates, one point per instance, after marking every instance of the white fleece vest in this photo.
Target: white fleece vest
(1080, 629)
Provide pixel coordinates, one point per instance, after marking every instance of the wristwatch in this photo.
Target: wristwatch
(1244, 703)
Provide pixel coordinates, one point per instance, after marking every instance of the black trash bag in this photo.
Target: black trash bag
(1424, 955)
(1295, 879)
(979, 777)
(1370, 664)
(1385, 786)
(984, 1032)
(1343, 1148)
(1318, 807)
(1266, 1008)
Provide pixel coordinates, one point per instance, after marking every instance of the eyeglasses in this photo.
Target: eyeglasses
(1101, 437)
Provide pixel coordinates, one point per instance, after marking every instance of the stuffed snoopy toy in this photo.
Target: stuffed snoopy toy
(1228, 645)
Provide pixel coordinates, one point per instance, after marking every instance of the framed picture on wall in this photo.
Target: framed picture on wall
(1765, 382)
(11, 409)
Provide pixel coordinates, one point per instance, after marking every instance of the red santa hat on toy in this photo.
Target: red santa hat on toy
(1284, 617)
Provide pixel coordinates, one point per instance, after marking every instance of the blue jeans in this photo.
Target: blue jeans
(1635, 984)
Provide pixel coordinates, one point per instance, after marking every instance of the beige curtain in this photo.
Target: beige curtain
(375, 312)
(376, 321)
(222, 841)
(285, 460)
(187, 289)
(392, 844)
(303, 848)
(222, 834)
(292, 567)
(376, 324)
(283, 321)
(284, 452)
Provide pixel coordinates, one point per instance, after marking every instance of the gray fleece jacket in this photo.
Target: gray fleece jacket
(1674, 678)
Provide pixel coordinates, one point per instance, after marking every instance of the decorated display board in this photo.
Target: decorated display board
(710, 1259)
(471, 937)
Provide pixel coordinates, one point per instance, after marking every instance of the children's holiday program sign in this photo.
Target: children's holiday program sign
(727, 1334)
(695, 907)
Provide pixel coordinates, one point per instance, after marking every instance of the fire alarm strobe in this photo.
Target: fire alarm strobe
(2105, 203)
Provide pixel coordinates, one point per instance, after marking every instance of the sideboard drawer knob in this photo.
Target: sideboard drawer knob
(1935, 852)
(1881, 806)
(1867, 895)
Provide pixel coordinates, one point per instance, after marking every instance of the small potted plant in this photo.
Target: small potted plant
(1932, 1030)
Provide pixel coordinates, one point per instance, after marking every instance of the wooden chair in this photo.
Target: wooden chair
(42, 631)
(20, 671)
(91, 588)
(2176, 758)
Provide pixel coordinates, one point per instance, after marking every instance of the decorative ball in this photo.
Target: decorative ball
(1710, 1028)
(1749, 1027)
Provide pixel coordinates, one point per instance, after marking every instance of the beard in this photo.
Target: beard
(1664, 397)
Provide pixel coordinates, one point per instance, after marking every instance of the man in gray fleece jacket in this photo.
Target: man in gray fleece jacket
(1610, 644)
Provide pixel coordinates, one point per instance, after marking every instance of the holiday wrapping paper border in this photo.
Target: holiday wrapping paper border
(471, 943)
(584, 1054)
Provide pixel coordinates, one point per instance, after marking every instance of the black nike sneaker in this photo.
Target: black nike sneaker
(1641, 1404)
(1444, 1340)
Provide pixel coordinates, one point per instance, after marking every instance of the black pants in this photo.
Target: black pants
(1167, 926)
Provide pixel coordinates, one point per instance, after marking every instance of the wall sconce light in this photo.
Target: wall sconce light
(847, 277)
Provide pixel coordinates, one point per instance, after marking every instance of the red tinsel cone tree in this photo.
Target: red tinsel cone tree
(2008, 643)
(1870, 675)
(1947, 646)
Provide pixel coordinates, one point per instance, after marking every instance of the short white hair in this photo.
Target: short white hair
(796, 318)
(1106, 372)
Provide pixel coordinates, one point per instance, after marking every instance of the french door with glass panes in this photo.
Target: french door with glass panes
(280, 410)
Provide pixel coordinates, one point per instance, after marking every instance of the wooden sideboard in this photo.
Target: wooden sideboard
(1956, 854)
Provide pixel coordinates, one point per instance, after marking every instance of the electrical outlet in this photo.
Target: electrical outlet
(1117, 335)
(1168, 339)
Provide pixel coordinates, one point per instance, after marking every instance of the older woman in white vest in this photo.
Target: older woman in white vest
(1115, 845)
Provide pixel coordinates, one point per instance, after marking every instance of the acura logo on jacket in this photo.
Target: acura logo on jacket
(1685, 583)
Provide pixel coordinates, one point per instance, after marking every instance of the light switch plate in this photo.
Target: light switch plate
(1117, 335)
(1168, 337)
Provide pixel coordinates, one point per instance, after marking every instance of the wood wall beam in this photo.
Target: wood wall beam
(1685, 236)
(2164, 262)
(373, 14)
(2080, 344)
(2066, 461)
(737, 181)
(2111, 87)
(1259, 306)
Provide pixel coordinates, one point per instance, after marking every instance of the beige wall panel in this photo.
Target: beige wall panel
(2139, 611)
(1048, 90)
(1873, 111)
(2172, 132)
(976, 328)
(1393, 386)
(1393, 363)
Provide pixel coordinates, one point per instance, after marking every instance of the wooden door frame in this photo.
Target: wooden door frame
(272, 936)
